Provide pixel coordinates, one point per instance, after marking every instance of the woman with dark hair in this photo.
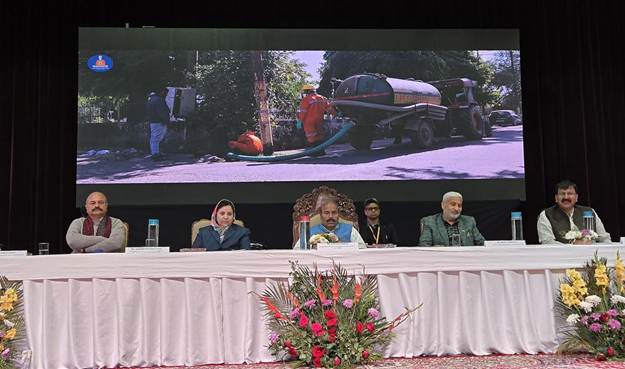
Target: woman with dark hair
(223, 234)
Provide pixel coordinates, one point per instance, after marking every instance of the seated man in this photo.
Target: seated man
(97, 232)
(566, 215)
(377, 232)
(450, 228)
(329, 214)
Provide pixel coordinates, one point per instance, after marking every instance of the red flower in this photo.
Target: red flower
(317, 362)
(600, 357)
(330, 314)
(317, 329)
(318, 351)
(370, 327)
(303, 320)
(331, 338)
(365, 354)
(287, 343)
(331, 323)
(337, 361)
(293, 352)
(610, 351)
(604, 317)
(332, 330)
(359, 327)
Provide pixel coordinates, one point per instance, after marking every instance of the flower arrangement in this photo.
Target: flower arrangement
(329, 319)
(11, 322)
(323, 238)
(584, 234)
(592, 302)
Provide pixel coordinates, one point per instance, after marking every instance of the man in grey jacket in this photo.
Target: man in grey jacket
(450, 228)
(97, 232)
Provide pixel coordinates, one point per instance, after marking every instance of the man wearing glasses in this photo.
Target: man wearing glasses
(375, 232)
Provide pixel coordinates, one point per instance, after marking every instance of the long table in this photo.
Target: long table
(112, 310)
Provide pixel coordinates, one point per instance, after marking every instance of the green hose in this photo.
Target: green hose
(306, 152)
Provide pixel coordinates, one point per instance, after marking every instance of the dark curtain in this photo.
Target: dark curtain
(573, 91)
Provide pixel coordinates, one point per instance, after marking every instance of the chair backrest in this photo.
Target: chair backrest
(125, 243)
(309, 204)
(201, 223)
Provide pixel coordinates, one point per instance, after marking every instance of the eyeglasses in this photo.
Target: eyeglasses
(372, 208)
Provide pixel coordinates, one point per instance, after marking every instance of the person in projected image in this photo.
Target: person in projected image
(450, 227)
(566, 215)
(376, 232)
(157, 113)
(329, 214)
(96, 232)
(223, 233)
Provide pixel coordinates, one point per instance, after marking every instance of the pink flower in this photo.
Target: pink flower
(373, 313)
(595, 327)
(614, 324)
(273, 337)
(303, 320)
(337, 361)
(317, 329)
(294, 313)
(310, 303)
(595, 316)
(5, 353)
(613, 313)
(584, 319)
(326, 302)
(348, 303)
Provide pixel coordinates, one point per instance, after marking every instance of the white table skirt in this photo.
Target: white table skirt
(195, 308)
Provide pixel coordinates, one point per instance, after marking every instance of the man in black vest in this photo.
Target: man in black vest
(374, 231)
(564, 216)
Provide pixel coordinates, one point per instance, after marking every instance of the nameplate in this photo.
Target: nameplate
(323, 246)
(147, 250)
(504, 243)
(14, 253)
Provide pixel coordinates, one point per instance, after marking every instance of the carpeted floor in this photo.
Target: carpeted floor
(462, 362)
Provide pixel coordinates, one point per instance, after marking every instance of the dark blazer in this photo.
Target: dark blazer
(236, 238)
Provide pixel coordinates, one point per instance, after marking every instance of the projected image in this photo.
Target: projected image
(232, 116)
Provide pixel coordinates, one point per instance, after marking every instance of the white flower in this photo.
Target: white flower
(573, 235)
(587, 306)
(572, 319)
(8, 324)
(593, 299)
(617, 299)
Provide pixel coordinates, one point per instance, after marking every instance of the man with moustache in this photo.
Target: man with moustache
(97, 232)
(329, 214)
(566, 215)
(450, 228)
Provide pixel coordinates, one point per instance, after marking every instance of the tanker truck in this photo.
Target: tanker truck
(424, 111)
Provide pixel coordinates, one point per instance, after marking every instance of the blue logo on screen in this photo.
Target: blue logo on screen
(100, 63)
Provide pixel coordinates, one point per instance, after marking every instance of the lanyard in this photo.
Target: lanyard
(377, 237)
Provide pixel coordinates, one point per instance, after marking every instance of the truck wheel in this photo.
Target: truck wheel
(423, 136)
(361, 137)
(472, 126)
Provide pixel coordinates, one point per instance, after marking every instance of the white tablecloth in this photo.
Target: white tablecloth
(195, 308)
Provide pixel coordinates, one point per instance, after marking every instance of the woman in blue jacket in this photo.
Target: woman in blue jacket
(223, 234)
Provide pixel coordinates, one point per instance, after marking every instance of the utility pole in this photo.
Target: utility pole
(260, 91)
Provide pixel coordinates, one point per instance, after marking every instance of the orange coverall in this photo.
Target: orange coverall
(310, 112)
(247, 144)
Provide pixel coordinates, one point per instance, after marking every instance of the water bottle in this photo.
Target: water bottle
(589, 220)
(304, 232)
(152, 239)
(517, 225)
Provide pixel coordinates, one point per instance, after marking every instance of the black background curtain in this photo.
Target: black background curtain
(573, 98)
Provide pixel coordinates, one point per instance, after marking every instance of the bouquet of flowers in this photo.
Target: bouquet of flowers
(584, 234)
(323, 238)
(592, 302)
(11, 322)
(327, 319)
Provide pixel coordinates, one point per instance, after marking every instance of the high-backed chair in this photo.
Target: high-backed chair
(309, 204)
(201, 223)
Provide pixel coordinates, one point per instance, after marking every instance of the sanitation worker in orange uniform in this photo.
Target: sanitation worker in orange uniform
(310, 112)
(248, 144)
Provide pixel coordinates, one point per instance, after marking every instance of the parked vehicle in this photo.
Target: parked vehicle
(504, 118)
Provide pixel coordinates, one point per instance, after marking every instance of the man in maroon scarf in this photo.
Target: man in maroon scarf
(97, 232)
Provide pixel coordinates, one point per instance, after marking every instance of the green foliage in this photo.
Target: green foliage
(507, 80)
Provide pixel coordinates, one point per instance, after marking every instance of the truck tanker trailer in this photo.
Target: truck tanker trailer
(424, 111)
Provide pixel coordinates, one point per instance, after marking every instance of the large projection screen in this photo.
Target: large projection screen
(432, 110)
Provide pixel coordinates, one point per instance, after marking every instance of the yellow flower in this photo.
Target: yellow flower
(6, 306)
(11, 295)
(601, 278)
(1, 347)
(10, 334)
(569, 297)
(573, 274)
